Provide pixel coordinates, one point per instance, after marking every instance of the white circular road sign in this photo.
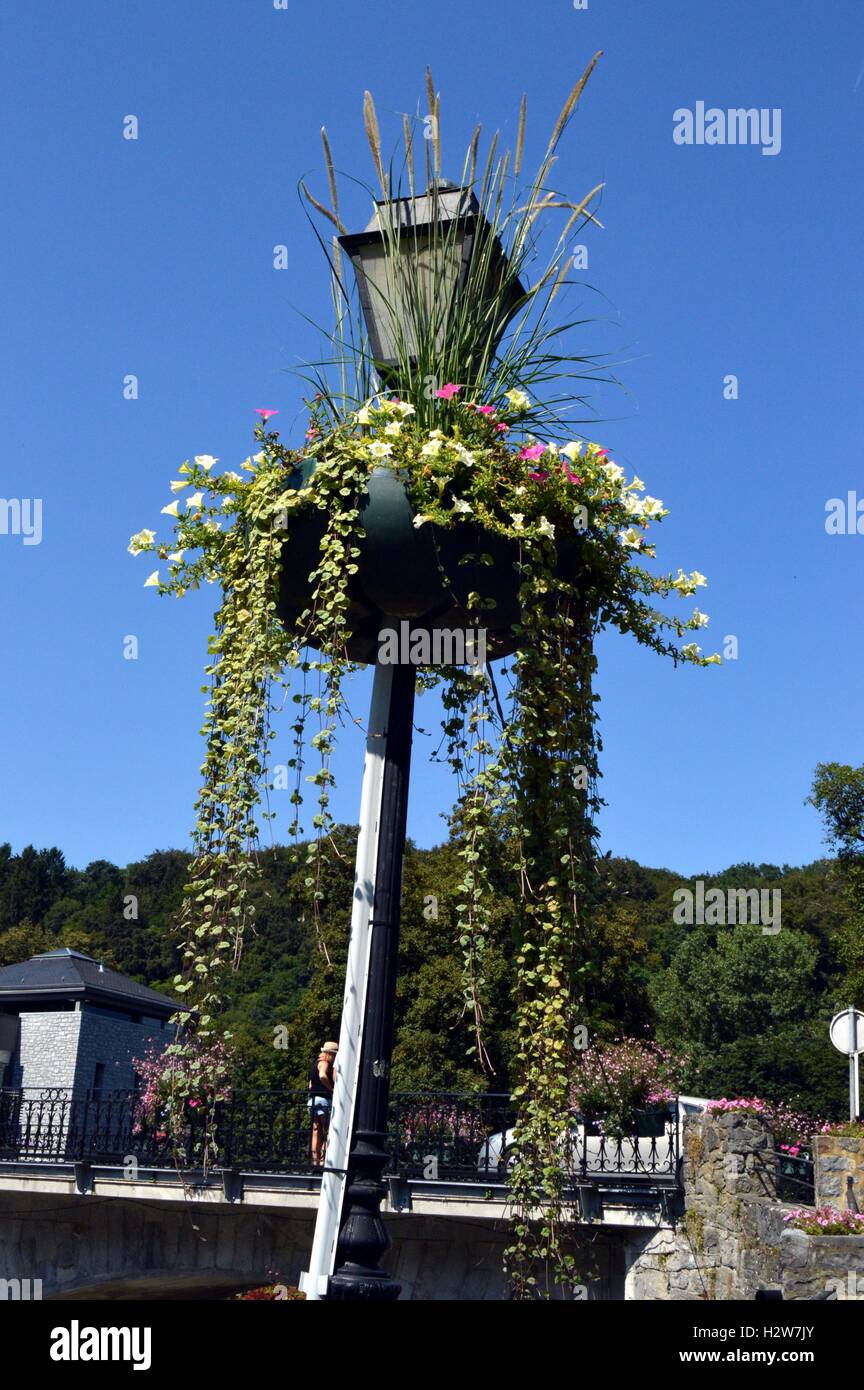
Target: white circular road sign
(840, 1031)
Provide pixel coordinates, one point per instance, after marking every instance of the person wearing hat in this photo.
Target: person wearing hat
(321, 1080)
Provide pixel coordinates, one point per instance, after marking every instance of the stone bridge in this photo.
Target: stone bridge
(100, 1235)
(91, 1229)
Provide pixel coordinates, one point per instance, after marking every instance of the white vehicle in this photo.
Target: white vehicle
(592, 1153)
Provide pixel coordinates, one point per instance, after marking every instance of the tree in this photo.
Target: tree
(838, 794)
(728, 994)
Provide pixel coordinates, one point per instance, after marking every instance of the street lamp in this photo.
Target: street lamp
(413, 262)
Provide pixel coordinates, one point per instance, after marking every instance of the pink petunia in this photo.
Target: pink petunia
(534, 451)
(503, 429)
(448, 392)
(265, 414)
(538, 476)
(571, 476)
(485, 409)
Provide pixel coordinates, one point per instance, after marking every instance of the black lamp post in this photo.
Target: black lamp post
(362, 1236)
(410, 262)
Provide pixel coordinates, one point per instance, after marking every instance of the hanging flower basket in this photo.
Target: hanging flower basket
(422, 575)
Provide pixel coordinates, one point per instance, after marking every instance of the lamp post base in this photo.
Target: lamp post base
(363, 1236)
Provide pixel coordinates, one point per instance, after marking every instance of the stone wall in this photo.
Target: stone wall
(732, 1238)
(114, 1042)
(48, 1049)
(838, 1160)
(63, 1049)
(83, 1248)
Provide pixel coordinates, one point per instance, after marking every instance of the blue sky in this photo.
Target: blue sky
(155, 257)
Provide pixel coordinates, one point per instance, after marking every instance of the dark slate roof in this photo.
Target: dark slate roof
(72, 975)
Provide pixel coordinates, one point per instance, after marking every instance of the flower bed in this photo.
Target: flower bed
(825, 1221)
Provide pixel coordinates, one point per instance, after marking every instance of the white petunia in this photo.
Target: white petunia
(631, 538)
(614, 473)
(687, 584)
(394, 428)
(178, 484)
(363, 417)
(176, 557)
(517, 518)
(460, 505)
(171, 510)
(153, 581)
(380, 450)
(142, 540)
(194, 502)
(518, 400)
(573, 450)
(420, 520)
(205, 461)
(545, 528)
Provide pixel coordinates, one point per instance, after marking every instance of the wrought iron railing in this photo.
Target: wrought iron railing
(795, 1178)
(433, 1136)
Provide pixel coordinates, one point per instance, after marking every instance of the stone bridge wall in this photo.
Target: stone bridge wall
(84, 1247)
(838, 1160)
(732, 1239)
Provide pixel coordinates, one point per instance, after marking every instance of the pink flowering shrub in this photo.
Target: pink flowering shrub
(437, 1120)
(174, 1084)
(845, 1129)
(792, 1129)
(826, 1221)
(613, 1080)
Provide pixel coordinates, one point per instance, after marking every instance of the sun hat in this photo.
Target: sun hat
(330, 1047)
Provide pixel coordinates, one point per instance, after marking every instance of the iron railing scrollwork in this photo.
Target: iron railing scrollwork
(432, 1136)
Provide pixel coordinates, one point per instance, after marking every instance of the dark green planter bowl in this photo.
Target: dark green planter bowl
(400, 572)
